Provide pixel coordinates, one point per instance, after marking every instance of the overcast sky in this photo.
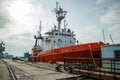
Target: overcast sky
(19, 20)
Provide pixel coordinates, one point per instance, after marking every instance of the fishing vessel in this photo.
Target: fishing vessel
(61, 42)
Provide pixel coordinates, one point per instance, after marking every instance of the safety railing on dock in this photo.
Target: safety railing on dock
(101, 68)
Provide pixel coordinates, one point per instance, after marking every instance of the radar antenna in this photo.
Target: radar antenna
(60, 14)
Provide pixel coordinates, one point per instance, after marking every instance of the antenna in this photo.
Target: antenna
(103, 35)
(65, 24)
(40, 28)
(111, 38)
(54, 26)
(57, 4)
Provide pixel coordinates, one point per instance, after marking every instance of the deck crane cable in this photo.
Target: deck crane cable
(92, 56)
(111, 38)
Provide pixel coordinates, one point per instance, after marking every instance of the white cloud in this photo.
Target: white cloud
(20, 40)
(100, 1)
(19, 43)
(111, 17)
(4, 15)
(112, 13)
(24, 16)
(21, 18)
(90, 33)
(115, 32)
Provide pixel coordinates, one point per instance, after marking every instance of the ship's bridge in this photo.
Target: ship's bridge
(56, 39)
(60, 33)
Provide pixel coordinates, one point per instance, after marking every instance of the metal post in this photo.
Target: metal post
(99, 72)
(88, 66)
(79, 65)
(111, 65)
(114, 70)
(64, 63)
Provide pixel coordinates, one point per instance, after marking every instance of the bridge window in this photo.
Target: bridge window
(59, 33)
(67, 34)
(63, 34)
(54, 41)
(70, 41)
(61, 41)
(117, 53)
(56, 33)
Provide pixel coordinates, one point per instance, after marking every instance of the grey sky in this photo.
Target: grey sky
(19, 20)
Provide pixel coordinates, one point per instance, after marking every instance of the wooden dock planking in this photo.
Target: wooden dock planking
(98, 75)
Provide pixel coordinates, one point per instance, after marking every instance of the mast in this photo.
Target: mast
(40, 29)
(60, 14)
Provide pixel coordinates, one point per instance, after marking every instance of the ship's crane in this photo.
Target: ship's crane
(39, 35)
(36, 48)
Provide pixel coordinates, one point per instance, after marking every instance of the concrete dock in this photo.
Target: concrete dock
(35, 71)
(4, 74)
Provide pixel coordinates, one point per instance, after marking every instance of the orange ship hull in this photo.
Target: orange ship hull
(89, 50)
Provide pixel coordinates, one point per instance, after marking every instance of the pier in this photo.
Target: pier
(108, 69)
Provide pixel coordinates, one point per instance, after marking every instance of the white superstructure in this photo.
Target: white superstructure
(57, 37)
